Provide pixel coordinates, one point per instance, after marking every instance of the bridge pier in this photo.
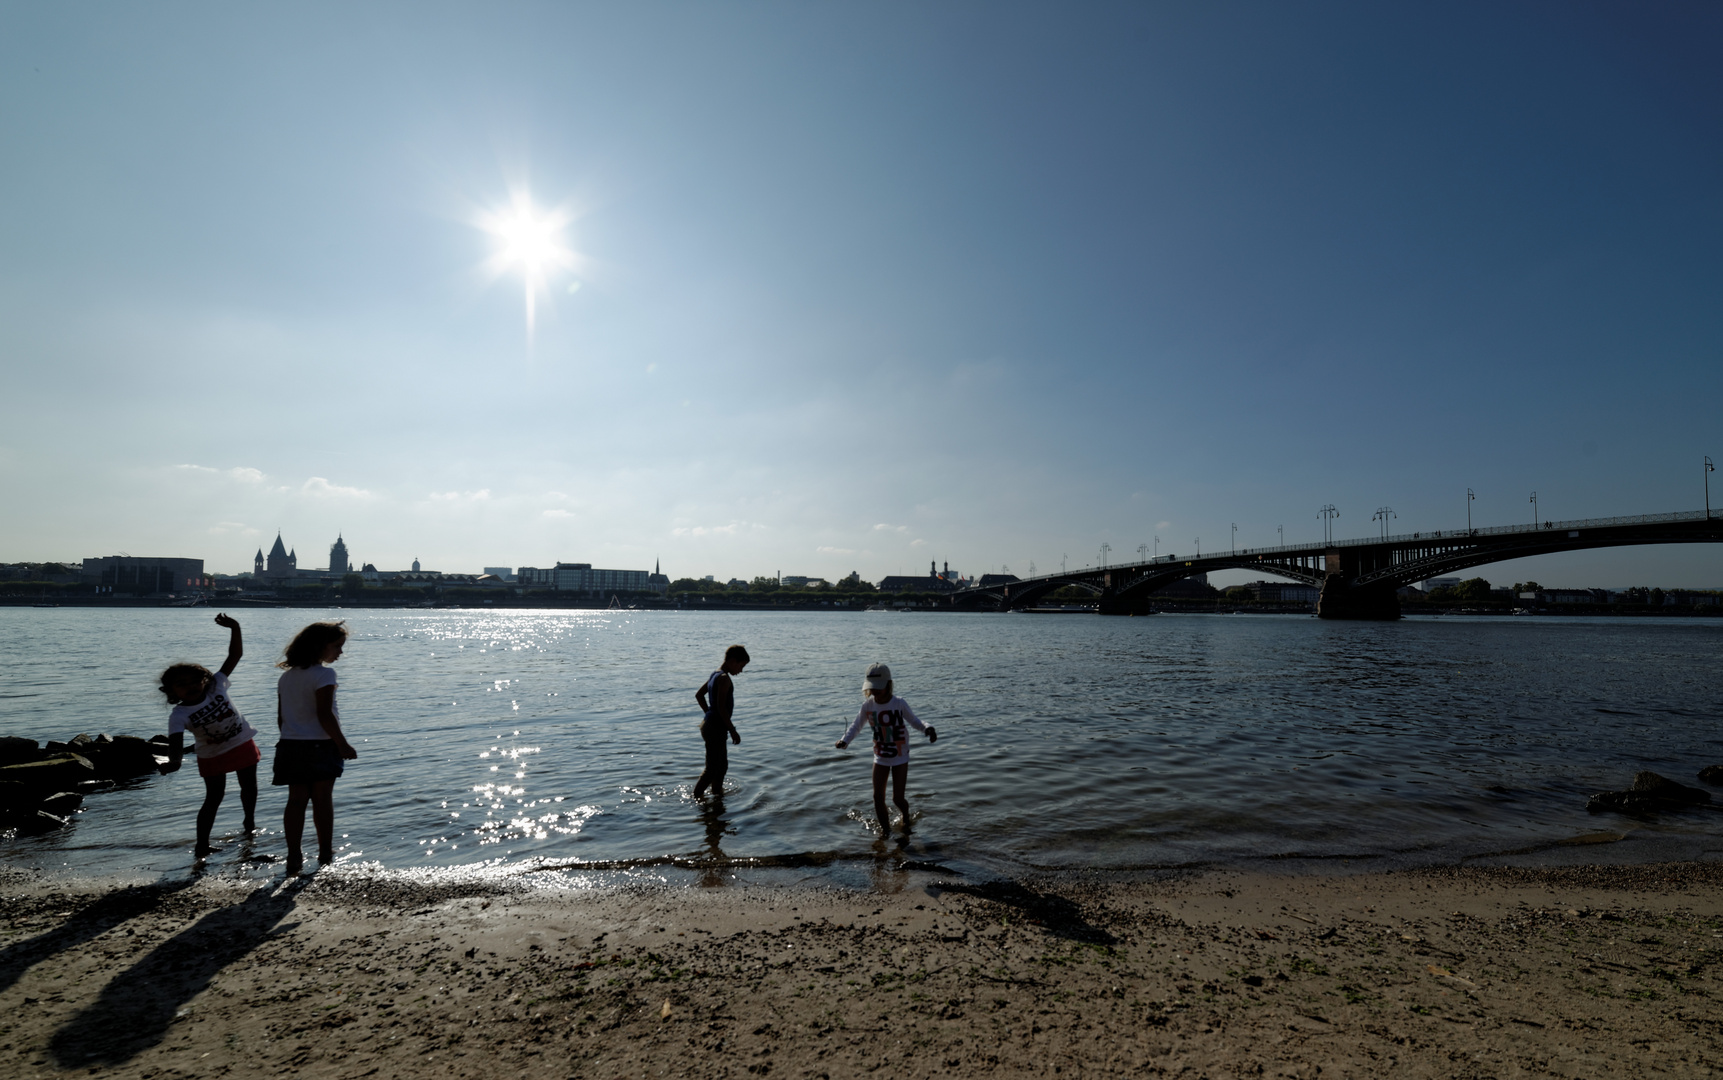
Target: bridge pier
(1341, 600)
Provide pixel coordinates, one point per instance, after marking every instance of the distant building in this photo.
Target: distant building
(502, 573)
(583, 578)
(934, 582)
(656, 581)
(1691, 598)
(988, 580)
(281, 566)
(1573, 596)
(734, 583)
(1195, 587)
(1440, 583)
(128, 575)
(799, 581)
(1283, 592)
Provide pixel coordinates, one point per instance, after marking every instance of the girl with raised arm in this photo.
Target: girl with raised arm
(224, 741)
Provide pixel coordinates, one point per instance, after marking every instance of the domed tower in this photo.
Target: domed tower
(415, 566)
(338, 556)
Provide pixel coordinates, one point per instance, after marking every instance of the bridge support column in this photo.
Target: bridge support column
(1341, 600)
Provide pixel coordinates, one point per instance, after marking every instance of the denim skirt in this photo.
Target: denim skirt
(307, 761)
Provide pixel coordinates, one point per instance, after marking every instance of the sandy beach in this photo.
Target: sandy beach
(1579, 972)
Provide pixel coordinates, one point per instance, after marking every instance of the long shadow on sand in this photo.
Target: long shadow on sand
(1059, 916)
(137, 1007)
(85, 925)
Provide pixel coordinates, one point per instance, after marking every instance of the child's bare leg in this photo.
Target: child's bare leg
(323, 817)
(293, 824)
(879, 774)
(214, 787)
(899, 775)
(247, 778)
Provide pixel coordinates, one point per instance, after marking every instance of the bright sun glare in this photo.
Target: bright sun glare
(529, 242)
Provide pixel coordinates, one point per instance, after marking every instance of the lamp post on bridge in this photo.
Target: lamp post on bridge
(1328, 513)
(1143, 552)
(1235, 538)
(1105, 548)
(1281, 529)
(1157, 547)
(1470, 499)
(1709, 469)
(1383, 513)
(1199, 543)
(1534, 509)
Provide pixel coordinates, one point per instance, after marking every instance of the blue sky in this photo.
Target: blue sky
(856, 287)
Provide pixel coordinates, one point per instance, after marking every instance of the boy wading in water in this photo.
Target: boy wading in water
(717, 698)
(887, 715)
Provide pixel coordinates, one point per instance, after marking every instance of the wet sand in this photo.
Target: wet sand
(1580, 972)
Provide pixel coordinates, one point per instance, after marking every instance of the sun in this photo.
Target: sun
(529, 241)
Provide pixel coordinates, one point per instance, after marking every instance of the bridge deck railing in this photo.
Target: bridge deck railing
(1539, 528)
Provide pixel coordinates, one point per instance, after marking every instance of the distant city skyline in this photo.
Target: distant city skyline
(820, 289)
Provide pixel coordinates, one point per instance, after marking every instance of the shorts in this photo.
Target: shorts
(307, 761)
(243, 756)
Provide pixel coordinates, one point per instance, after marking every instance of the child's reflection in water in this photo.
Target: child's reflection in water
(717, 863)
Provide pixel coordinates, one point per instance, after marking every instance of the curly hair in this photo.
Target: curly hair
(177, 672)
(307, 646)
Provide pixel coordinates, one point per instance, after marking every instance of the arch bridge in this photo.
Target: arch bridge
(1358, 578)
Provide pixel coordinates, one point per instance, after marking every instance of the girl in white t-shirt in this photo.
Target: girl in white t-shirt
(224, 742)
(310, 755)
(887, 714)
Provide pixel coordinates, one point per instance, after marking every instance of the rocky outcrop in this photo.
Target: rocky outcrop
(16, 751)
(1712, 774)
(121, 757)
(60, 772)
(41, 788)
(1650, 792)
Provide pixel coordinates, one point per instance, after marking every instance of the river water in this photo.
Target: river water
(513, 741)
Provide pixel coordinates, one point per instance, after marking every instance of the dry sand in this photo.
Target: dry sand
(1582, 972)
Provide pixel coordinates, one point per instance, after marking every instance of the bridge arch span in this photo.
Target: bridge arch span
(1360, 578)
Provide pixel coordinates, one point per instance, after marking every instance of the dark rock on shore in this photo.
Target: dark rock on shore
(16, 751)
(1712, 774)
(36, 821)
(1663, 788)
(117, 758)
(40, 788)
(62, 803)
(1650, 792)
(62, 772)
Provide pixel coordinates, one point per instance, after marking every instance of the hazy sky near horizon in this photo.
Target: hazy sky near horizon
(856, 286)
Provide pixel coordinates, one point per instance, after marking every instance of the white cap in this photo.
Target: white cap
(878, 678)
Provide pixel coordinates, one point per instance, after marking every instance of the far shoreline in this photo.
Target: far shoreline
(1180, 607)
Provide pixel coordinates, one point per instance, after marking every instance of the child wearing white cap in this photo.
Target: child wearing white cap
(887, 715)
